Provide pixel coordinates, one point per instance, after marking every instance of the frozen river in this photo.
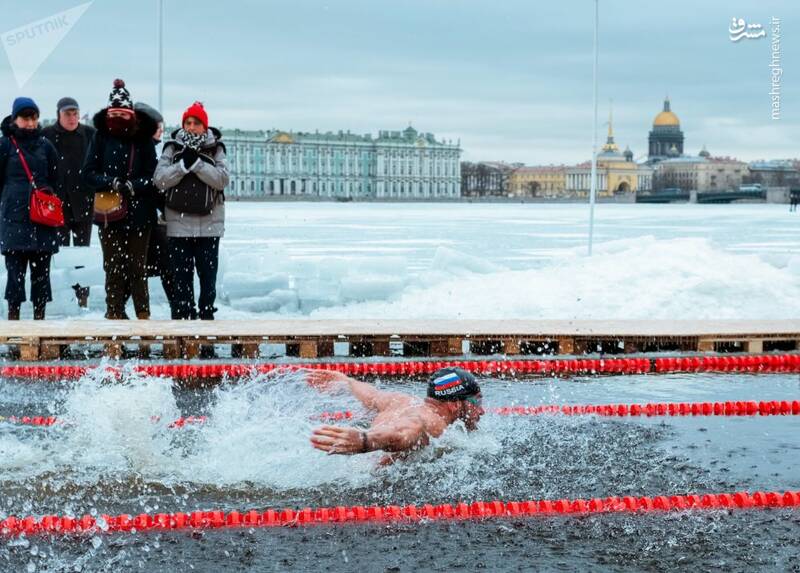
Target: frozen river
(356, 260)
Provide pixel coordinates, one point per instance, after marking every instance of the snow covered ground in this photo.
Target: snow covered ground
(356, 260)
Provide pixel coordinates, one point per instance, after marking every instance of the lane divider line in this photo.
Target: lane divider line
(729, 408)
(766, 363)
(67, 525)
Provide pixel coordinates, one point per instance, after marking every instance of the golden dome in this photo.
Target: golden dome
(666, 118)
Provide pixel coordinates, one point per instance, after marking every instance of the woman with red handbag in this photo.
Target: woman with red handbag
(28, 211)
(118, 170)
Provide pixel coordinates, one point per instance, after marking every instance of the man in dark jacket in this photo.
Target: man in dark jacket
(122, 158)
(71, 140)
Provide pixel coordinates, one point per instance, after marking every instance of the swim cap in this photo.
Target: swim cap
(450, 384)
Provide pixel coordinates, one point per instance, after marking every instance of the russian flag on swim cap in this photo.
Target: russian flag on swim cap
(452, 384)
(447, 381)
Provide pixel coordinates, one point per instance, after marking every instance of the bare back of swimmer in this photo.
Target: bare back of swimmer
(402, 422)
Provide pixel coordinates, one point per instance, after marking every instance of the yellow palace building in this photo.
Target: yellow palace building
(617, 175)
(617, 172)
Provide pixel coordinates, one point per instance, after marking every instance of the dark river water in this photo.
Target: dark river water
(253, 453)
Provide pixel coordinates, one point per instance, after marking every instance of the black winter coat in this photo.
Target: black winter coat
(72, 147)
(108, 157)
(17, 232)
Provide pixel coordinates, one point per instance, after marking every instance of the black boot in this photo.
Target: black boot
(13, 310)
(38, 311)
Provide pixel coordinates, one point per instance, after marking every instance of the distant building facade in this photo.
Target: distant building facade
(617, 173)
(396, 164)
(538, 181)
(486, 178)
(701, 173)
(773, 173)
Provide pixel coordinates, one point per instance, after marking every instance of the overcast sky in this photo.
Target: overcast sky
(512, 79)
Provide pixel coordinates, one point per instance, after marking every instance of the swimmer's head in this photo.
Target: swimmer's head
(461, 389)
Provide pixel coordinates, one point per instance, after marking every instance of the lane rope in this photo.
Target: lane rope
(764, 363)
(652, 409)
(86, 525)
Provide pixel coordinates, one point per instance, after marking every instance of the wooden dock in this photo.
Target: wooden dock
(47, 340)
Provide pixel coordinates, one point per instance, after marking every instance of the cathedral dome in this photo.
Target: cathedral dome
(666, 117)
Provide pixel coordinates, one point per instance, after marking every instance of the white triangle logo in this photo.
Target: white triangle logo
(28, 46)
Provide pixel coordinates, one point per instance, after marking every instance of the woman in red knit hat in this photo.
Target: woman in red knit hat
(192, 174)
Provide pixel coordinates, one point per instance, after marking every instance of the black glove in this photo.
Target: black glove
(122, 186)
(189, 157)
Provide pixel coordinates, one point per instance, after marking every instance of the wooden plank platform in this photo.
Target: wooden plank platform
(305, 338)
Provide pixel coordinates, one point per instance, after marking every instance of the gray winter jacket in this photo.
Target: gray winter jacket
(169, 174)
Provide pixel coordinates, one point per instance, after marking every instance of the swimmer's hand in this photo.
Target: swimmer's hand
(337, 440)
(325, 379)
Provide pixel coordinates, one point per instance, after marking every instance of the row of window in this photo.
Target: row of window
(301, 187)
(347, 170)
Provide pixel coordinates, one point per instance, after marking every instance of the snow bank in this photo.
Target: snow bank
(485, 261)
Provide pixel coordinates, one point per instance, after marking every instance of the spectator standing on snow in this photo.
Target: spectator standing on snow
(24, 243)
(71, 139)
(192, 175)
(119, 169)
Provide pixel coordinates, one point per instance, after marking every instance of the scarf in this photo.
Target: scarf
(121, 126)
(25, 134)
(191, 140)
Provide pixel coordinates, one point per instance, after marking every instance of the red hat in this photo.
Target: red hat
(197, 111)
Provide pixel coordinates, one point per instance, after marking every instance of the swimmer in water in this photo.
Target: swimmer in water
(403, 422)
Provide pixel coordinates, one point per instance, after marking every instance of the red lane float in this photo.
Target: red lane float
(47, 421)
(730, 408)
(767, 363)
(67, 525)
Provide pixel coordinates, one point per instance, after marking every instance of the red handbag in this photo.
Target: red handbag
(46, 208)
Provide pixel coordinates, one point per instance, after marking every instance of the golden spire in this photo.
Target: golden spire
(610, 145)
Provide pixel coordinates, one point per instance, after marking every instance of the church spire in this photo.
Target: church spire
(610, 145)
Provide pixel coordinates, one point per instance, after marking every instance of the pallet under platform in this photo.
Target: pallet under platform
(47, 340)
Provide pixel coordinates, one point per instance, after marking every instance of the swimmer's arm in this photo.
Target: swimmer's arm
(410, 435)
(403, 437)
(367, 394)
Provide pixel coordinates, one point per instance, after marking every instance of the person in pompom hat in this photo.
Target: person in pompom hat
(24, 243)
(122, 157)
(192, 175)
